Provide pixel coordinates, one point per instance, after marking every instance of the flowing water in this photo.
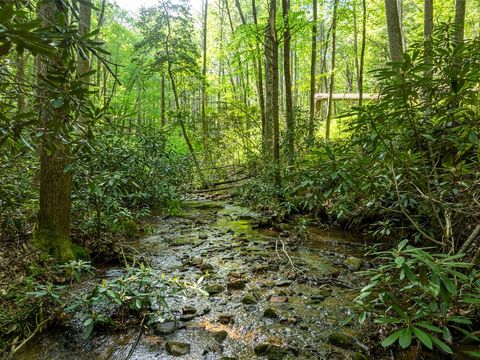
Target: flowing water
(289, 304)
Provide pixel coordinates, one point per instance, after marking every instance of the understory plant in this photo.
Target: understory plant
(421, 297)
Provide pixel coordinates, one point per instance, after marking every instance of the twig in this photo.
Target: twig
(470, 240)
(24, 342)
(139, 336)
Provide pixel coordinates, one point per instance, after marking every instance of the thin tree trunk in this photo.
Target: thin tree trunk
(332, 72)
(20, 79)
(163, 117)
(204, 81)
(272, 88)
(288, 81)
(362, 53)
(313, 65)
(459, 20)
(394, 31)
(178, 107)
(261, 94)
(355, 44)
(83, 62)
(53, 234)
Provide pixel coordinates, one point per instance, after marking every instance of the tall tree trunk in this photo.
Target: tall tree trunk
(355, 44)
(163, 111)
(261, 94)
(204, 80)
(459, 20)
(53, 234)
(428, 31)
(178, 106)
(272, 89)
(332, 72)
(313, 65)
(20, 79)
(290, 121)
(362, 52)
(394, 31)
(240, 12)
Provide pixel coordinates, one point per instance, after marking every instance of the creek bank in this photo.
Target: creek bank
(256, 304)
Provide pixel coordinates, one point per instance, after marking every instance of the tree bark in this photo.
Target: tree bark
(261, 94)
(332, 72)
(53, 234)
(362, 52)
(459, 20)
(204, 80)
(394, 31)
(163, 110)
(313, 65)
(272, 89)
(20, 79)
(290, 120)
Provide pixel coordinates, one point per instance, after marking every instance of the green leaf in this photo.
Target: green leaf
(441, 344)
(391, 339)
(405, 338)
(473, 137)
(473, 353)
(58, 103)
(423, 337)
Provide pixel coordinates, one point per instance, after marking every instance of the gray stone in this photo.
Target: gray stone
(214, 289)
(196, 261)
(225, 319)
(165, 328)
(220, 336)
(176, 348)
(236, 284)
(353, 263)
(270, 313)
(249, 299)
(206, 267)
(342, 340)
(271, 352)
(283, 282)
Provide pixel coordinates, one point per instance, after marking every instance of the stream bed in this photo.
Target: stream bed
(263, 302)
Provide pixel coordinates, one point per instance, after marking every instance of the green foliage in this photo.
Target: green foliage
(121, 178)
(434, 298)
(409, 165)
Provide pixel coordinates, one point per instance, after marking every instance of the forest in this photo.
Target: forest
(240, 179)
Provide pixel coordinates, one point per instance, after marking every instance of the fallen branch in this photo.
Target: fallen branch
(470, 240)
(32, 335)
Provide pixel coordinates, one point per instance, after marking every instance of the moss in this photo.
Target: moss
(59, 247)
(80, 252)
(129, 228)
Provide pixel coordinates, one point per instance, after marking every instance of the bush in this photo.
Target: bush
(434, 298)
(121, 178)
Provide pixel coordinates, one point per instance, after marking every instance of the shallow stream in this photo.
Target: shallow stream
(263, 302)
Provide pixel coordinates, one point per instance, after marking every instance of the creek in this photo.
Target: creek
(270, 295)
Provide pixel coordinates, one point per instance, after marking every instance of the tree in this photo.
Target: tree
(260, 92)
(53, 232)
(459, 20)
(271, 85)
(332, 71)
(313, 65)
(204, 78)
(288, 81)
(362, 52)
(167, 33)
(394, 30)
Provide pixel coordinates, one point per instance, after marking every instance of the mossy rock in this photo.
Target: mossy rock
(342, 340)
